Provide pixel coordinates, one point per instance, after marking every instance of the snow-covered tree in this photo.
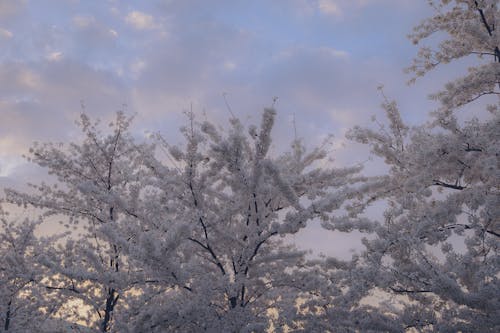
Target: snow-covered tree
(439, 246)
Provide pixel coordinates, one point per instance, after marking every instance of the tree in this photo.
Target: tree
(25, 304)
(199, 242)
(98, 191)
(439, 245)
(235, 203)
(471, 27)
(194, 245)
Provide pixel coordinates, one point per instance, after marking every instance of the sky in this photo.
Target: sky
(323, 59)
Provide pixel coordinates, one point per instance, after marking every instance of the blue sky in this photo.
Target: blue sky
(323, 59)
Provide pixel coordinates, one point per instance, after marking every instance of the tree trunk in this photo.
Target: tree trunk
(7, 316)
(110, 305)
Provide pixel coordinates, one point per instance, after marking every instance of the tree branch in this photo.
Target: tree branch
(455, 187)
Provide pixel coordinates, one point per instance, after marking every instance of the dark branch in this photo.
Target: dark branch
(455, 187)
(409, 291)
(483, 18)
(212, 253)
(259, 244)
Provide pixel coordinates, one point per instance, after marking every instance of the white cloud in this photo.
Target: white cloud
(137, 67)
(54, 56)
(329, 7)
(5, 33)
(140, 21)
(229, 65)
(11, 8)
(8, 164)
(334, 52)
(338, 8)
(344, 118)
(114, 11)
(28, 79)
(83, 21)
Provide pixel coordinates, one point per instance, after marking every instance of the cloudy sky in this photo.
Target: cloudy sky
(323, 59)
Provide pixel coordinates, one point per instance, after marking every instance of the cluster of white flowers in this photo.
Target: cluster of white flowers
(440, 243)
(198, 243)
